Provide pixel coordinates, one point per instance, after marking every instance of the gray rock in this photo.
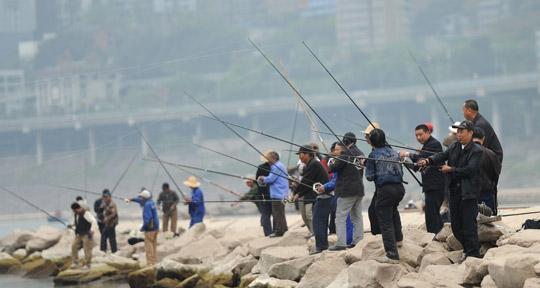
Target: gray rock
(488, 282)
(532, 283)
(475, 270)
(369, 273)
(16, 240)
(323, 272)
(291, 238)
(45, 237)
(453, 243)
(523, 238)
(273, 255)
(205, 250)
(265, 281)
(438, 258)
(444, 233)
(433, 247)
(293, 269)
(513, 270)
(369, 248)
(490, 232)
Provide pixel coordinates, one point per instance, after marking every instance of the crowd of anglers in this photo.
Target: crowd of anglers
(329, 189)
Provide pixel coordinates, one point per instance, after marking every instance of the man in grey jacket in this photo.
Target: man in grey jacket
(349, 191)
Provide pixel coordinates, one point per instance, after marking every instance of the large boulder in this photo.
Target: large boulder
(61, 249)
(453, 243)
(369, 248)
(19, 254)
(532, 283)
(205, 250)
(323, 272)
(80, 276)
(45, 237)
(293, 269)
(444, 233)
(291, 238)
(265, 281)
(39, 268)
(8, 262)
(513, 270)
(16, 240)
(418, 236)
(121, 263)
(273, 255)
(175, 270)
(488, 282)
(444, 275)
(369, 273)
(176, 244)
(410, 253)
(524, 238)
(437, 258)
(143, 278)
(433, 247)
(475, 270)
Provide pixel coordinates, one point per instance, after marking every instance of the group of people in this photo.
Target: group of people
(329, 188)
(85, 224)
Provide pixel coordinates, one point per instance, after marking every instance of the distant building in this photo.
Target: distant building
(17, 16)
(12, 92)
(312, 8)
(491, 12)
(371, 24)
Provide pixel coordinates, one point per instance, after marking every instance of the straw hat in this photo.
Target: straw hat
(192, 182)
(370, 128)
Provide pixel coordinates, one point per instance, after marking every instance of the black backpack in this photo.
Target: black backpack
(531, 224)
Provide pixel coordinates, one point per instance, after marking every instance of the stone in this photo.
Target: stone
(205, 250)
(475, 270)
(16, 240)
(453, 243)
(369, 248)
(369, 273)
(40, 268)
(513, 270)
(532, 283)
(410, 253)
(265, 281)
(8, 262)
(229, 272)
(80, 276)
(415, 280)
(442, 275)
(176, 244)
(45, 237)
(488, 282)
(118, 262)
(175, 270)
(433, 247)
(524, 238)
(166, 283)
(322, 272)
(437, 258)
(490, 232)
(444, 233)
(293, 269)
(142, 278)
(291, 238)
(417, 236)
(61, 249)
(19, 254)
(247, 279)
(190, 282)
(537, 269)
(455, 256)
(273, 255)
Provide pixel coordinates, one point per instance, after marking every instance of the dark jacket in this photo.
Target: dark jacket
(168, 201)
(490, 169)
(314, 172)
(110, 214)
(465, 176)
(350, 182)
(263, 170)
(384, 172)
(98, 209)
(492, 141)
(432, 178)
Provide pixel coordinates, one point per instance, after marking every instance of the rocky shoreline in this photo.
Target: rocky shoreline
(232, 253)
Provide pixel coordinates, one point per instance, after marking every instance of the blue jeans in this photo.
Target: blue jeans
(195, 218)
(265, 208)
(321, 214)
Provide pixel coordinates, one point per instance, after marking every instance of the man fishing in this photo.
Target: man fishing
(110, 220)
(150, 225)
(167, 200)
(278, 184)
(196, 202)
(85, 226)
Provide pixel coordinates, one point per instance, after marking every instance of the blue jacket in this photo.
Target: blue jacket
(383, 172)
(196, 206)
(279, 185)
(331, 185)
(150, 215)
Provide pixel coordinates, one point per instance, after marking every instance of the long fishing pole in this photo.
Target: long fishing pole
(351, 99)
(35, 206)
(202, 169)
(124, 172)
(293, 132)
(159, 160)
(81, 190)
(431, 86)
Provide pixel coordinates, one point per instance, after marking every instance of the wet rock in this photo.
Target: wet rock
(265, 281)
(190, 282)
(121, 263)
(323, 272)
(247, 279)
(438, 258)
(293, 269)
(39, 268)
(8, 262)
(273, 255)
(369, 273)
(175, 270)
(142, 278)
(80, 276)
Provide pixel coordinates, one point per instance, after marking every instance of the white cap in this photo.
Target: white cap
(452, 129)
(145, 194)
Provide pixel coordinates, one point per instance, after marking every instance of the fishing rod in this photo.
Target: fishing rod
(82, 190)
(35, 206)
(431, 86)
(368, 158)
(351, 99)
(202, 169)
(285, 141)
(390, 145)
(252, 165)
(234, 131)
(159, 160)
(293, 132)
(124, 173)
(358, 125)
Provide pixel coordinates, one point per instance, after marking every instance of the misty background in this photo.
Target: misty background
(77, 77)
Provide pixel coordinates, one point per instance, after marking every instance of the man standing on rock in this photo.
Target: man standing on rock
(168, 199)
(349, 191)
(432, 179)
(490, 168)
(196, 202)
(85, 225)
(278, 184)
(463, 166)
(110, 220)
(264, 207)
(388, 178)
(150, 225)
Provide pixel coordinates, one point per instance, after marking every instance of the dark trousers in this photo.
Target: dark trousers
(278, 216)
(463, 214)
(388, 198)
(321, 214)
(372, 214)
(265, 208)
(332, 223)
(110, 234)
(101, 225)
(434, 200)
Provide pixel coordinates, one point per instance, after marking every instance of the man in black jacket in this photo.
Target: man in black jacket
(432, 179)
(313, 172)
(349, 191)
(471, 113)
(463, 165)
(490, 168)
(265, 208)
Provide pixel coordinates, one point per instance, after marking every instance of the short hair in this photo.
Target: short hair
(422, 127)
(472, 104)
(165, 186)
(333, 146)
(478, 133)
(314, 146)
(75, 205)
(78, 198)
(273, 155)
(377, 138)
(349, 138)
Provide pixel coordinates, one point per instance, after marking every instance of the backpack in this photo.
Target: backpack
(531, 224)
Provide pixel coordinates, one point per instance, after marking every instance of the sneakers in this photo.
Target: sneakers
(337, 248)
(399, 244)
(176, 235)
(386, 260)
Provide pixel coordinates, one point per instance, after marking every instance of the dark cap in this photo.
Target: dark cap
(106, 192)
(305, 149)
(349, 138)
(466, 124)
